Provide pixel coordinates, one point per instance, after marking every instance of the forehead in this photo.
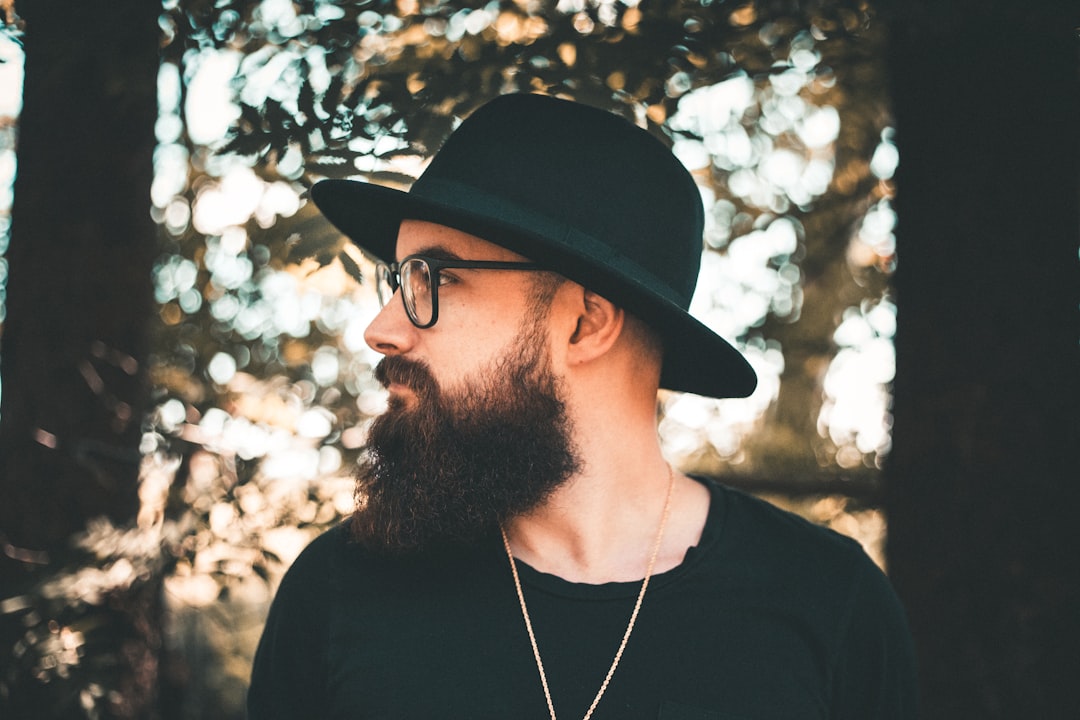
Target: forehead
(419, 237)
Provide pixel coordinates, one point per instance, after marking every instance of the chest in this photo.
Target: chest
(459, 649)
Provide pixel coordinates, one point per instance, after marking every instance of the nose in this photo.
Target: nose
(391, 332)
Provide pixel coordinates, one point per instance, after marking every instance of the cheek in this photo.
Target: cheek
(471, 338)
(476, 331)
(468, 360)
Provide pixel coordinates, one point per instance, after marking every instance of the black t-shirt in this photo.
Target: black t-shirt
(767, 617)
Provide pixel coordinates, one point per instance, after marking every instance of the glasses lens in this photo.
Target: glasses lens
(384, 283)
(416, 290)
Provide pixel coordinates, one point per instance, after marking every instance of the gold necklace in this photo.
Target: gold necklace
(633, 615)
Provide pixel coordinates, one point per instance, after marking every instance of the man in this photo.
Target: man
(521, 548)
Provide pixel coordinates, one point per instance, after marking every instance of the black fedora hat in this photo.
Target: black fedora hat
(579, 190)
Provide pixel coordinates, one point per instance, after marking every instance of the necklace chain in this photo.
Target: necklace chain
(629, 626)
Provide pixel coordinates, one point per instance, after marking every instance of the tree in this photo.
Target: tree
(79, 295)
(982, 488)
(75, 387)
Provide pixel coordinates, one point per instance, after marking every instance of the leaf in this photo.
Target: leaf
(244, 145)
(302, 247)
(305, 100)
(351, 267)
(332, 97)
(250, 114)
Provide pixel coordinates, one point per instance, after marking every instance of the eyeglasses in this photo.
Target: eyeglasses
(418, 278)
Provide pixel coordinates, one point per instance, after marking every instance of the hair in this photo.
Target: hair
(646, 338)
(645, 334)
(545, 283)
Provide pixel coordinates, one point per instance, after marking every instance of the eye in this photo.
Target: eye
(447, 278)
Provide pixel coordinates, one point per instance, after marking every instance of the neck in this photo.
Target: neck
(600, 525)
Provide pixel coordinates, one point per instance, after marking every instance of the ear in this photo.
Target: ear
(599, 325)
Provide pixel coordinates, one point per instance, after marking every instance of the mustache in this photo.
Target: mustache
(413, 374)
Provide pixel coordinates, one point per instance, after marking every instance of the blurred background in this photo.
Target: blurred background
(184, 385)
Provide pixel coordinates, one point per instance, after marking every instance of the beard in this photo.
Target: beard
(455, 465)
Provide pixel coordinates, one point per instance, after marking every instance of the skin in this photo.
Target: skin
(599, 526)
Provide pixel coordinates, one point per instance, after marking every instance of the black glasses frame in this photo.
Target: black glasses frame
(391, 275)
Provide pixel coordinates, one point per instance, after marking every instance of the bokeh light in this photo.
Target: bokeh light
(11, 83)
(262, 381)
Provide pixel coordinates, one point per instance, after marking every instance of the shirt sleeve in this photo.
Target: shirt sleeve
(875, 675)
(288, 677)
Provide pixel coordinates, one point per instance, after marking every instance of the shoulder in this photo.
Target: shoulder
(806, 571)
(771, 547)
(289, 671)
(831, 572)
(319, 568)
(771, 530)
(321, 554)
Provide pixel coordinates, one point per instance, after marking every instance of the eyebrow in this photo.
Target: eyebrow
(437, 252)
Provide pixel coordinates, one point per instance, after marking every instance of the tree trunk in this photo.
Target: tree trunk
(79, 293)
(73, 361)
(982, 496)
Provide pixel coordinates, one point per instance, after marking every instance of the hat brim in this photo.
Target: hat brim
(696, 359)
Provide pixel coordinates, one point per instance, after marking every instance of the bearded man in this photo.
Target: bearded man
(521, 548)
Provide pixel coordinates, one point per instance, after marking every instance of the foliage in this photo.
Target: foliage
(263, 384)
(371, 88)
(372, 71)
(71, 636)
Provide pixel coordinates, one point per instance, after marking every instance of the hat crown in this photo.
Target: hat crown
(606, 182)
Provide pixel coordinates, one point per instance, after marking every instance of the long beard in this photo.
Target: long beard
(452, 467)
